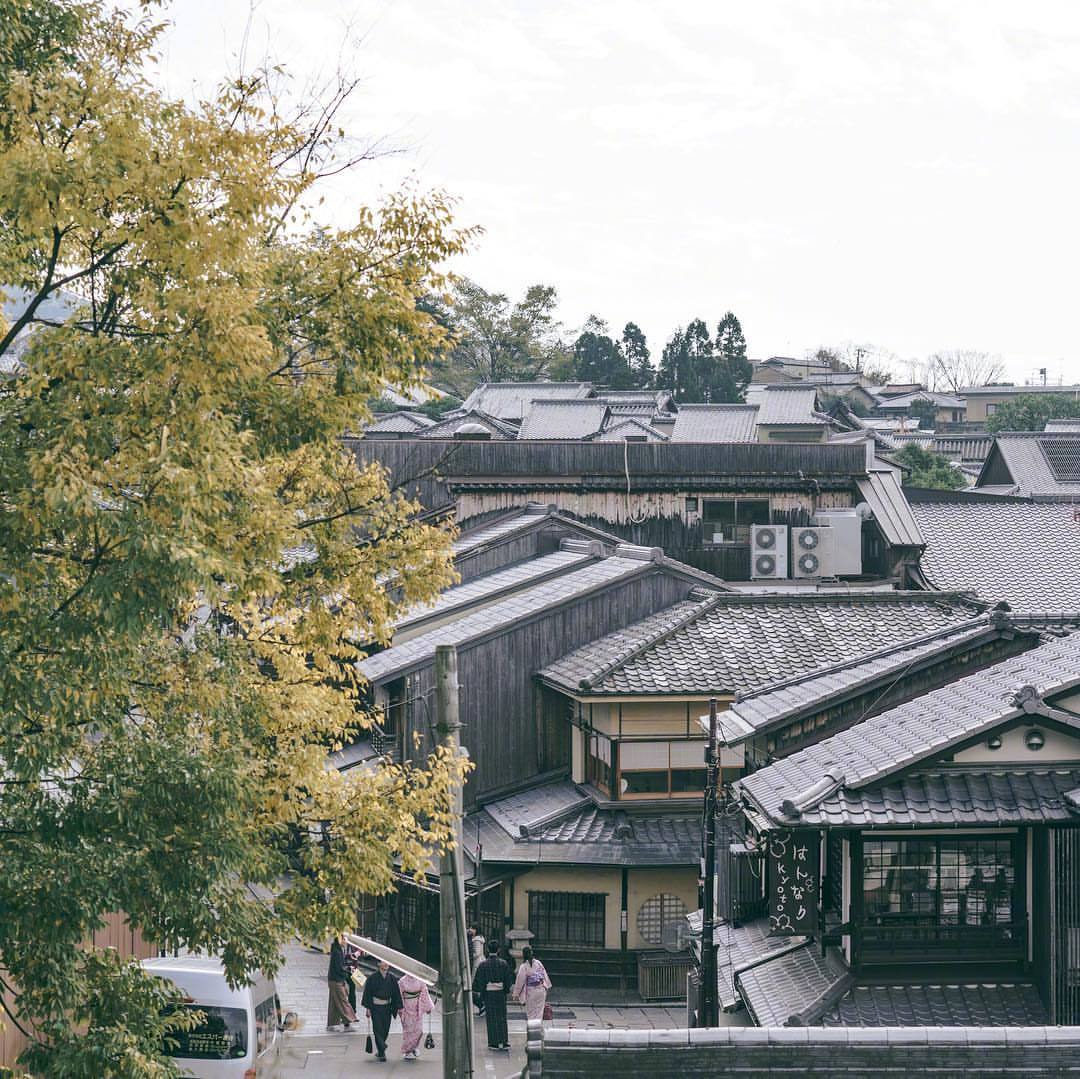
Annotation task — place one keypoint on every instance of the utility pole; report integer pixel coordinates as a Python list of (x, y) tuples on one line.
[(454, 974), (709, 1010)]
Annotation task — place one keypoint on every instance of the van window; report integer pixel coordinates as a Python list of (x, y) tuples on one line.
[(222, 1035), (266, 1021)]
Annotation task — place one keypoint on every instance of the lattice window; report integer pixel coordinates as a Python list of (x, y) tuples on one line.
[(657, 912), (1063, 456), (567, 918)]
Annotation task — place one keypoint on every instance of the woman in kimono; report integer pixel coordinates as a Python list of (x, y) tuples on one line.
[(491, 983), (415, 1004), (531, 985)]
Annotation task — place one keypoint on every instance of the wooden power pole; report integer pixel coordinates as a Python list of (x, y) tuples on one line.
[(709, 1006), (454, 973)]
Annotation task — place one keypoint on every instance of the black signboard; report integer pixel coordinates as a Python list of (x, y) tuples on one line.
[(792, 878)]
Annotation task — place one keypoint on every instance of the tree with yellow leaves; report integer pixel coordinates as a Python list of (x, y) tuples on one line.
[(189, 561)]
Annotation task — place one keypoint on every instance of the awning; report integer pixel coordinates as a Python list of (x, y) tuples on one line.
[(398, 960)]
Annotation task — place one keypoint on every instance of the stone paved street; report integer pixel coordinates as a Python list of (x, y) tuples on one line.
[(314, 1053)]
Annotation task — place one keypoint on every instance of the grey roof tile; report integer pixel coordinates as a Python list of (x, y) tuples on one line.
[(511, 400), (733, 644), (715, 423), (882, 492), (566, 828), (953, 797), (1031, 460), (778, 990), (632, 427), (420, 650), (481, 588), (448, 426), (971, 1005), (1027, 554), (896, 739), (399, 423), (782, 404), (804, 695), (569, 419)]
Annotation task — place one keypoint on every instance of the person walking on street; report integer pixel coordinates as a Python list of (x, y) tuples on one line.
[(491, 983), (532, 985), (381, 1001), (338, 1012), (477, 952), (415, 1004), (353, 955)]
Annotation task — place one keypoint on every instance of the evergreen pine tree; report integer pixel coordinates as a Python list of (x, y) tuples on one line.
[(636, 352), (732, 370)]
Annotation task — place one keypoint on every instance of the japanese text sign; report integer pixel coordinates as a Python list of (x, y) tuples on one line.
[(792, 879)]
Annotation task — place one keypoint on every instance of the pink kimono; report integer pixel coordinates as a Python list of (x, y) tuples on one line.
[(531, 988), (415, 1004)]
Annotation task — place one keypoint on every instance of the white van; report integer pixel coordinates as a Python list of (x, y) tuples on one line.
[(241, 1029)]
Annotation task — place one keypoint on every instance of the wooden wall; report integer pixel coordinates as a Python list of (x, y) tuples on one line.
[(500, 700), (116, 933)]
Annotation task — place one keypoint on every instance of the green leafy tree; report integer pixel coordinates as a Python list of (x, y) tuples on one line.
[(733, 370), (599, 359), (498, 340), (1030, 411), (928, 469), (189, 559), (636, 350), (925, 412), (687, 361)]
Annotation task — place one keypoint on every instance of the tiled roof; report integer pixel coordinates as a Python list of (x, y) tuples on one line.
[(785, 404), (733, 644), (563, 419), (420, 650), (715, 423), (399, 423), (805, 695), (618, 431), (511, 579), (739, 947), (971, 1005), (511, 400), (564, 827), (1069, 426), (1027, 554), (882, 492), (491, 531), (952, 797), (1031, 457), (998, 391), (906, 400), (961, 447), (799, 985), (448, 427), (918, 730)]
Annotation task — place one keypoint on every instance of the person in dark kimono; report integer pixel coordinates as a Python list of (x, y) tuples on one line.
[(491, 983), (381, 1001)]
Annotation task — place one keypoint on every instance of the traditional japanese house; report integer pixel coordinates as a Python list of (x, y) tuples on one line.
[(938, 839), (700, 501)]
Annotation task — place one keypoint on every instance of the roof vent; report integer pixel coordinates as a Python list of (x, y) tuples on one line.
[(832, 780), (475, 432)]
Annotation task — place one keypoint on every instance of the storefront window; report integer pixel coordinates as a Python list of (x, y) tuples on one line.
[(944, 881)]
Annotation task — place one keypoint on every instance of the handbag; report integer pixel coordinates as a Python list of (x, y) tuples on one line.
[(367, 1043), (548, 1013)]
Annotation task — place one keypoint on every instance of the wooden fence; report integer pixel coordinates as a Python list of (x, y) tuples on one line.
[(116, 933)]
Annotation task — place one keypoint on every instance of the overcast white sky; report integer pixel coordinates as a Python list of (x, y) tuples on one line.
[(897, 173)]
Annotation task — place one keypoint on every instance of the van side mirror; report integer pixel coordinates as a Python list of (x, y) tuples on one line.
[(289, 1021)]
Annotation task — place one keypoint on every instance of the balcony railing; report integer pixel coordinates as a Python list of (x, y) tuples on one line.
[(917, 940), (385, 743)]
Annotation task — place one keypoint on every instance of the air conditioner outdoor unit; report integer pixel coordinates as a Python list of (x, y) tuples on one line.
[(846, 535), (811, 551), (768, 552)]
